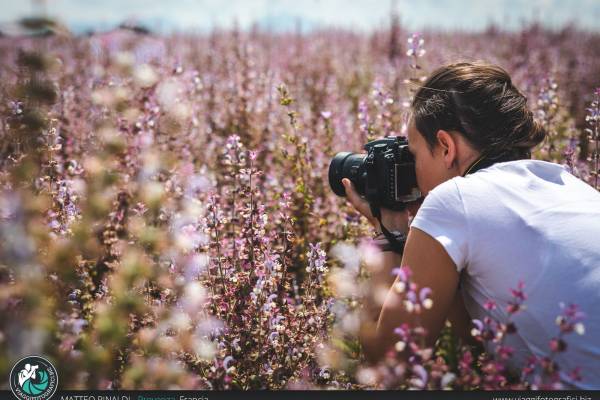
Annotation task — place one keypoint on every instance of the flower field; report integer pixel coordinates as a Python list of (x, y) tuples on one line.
[(166, 219)]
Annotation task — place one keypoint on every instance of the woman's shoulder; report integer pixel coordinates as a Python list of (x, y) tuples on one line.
[(445, 191), (445, 198), (521, 187), (527, 173), (512, 179), (528, 167), (489, 174), (507, 182), (529, 164)]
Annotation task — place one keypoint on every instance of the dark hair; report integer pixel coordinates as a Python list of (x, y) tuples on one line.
[(479, 101)]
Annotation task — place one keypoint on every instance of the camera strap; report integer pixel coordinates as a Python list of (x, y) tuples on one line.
[(485, 161), (396, 241)]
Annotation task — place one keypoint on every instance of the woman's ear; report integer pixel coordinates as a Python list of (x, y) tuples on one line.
[(448, 148)]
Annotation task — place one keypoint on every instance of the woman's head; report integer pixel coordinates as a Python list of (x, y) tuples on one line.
[(463, 111)]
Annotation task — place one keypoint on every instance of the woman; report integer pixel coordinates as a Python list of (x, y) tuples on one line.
[(491, 217)]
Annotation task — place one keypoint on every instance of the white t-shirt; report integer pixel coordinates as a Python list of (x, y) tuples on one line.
[(533, 221)]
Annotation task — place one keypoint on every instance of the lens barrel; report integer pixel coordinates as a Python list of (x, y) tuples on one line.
[(347, 165)]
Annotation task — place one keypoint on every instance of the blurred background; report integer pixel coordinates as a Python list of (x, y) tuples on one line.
[(82, 16), (166, 219)]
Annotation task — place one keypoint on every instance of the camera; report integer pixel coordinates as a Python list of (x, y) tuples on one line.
[(385, 176)]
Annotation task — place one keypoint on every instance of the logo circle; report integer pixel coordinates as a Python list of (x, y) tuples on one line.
[(33, 378)]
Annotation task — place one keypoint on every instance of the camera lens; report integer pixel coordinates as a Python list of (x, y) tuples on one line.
[(347, 165)]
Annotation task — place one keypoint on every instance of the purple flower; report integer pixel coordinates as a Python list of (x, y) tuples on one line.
[(269, 302), (273, 336), (421, 374), (575, 374), (226, 361), (490, 305), (478, 324), (363, 118), (557, 345), (316, 259), (505, 352), (424, 294), (402, 272), (518, 293), (415, 46), (402, 330)]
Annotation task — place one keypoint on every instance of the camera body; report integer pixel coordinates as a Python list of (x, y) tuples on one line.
[(385, 176)]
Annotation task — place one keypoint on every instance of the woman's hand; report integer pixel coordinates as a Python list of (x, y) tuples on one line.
[(392, 220)]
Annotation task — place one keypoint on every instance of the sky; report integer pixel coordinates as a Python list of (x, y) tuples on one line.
[(363, 15)]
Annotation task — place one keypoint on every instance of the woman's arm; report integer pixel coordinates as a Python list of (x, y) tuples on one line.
[(461, 321), (431, 267)]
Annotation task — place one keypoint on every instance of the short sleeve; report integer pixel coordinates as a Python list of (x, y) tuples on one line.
[(442, 216)]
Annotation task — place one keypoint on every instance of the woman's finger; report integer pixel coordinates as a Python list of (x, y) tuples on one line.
[(395, 220), (354, 198)]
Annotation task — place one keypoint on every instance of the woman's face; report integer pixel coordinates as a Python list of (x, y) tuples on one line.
[(431, 169)]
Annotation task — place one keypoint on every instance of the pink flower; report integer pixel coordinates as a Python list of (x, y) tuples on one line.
[(575, 374), (226, 361), (489, 305), (402, 272), (505, 352), (424, 294), (557, 345), (512, 308), (518, 292)]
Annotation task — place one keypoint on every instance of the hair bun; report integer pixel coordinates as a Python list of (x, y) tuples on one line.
[(480, 101), (532, 134), (538, 133)]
